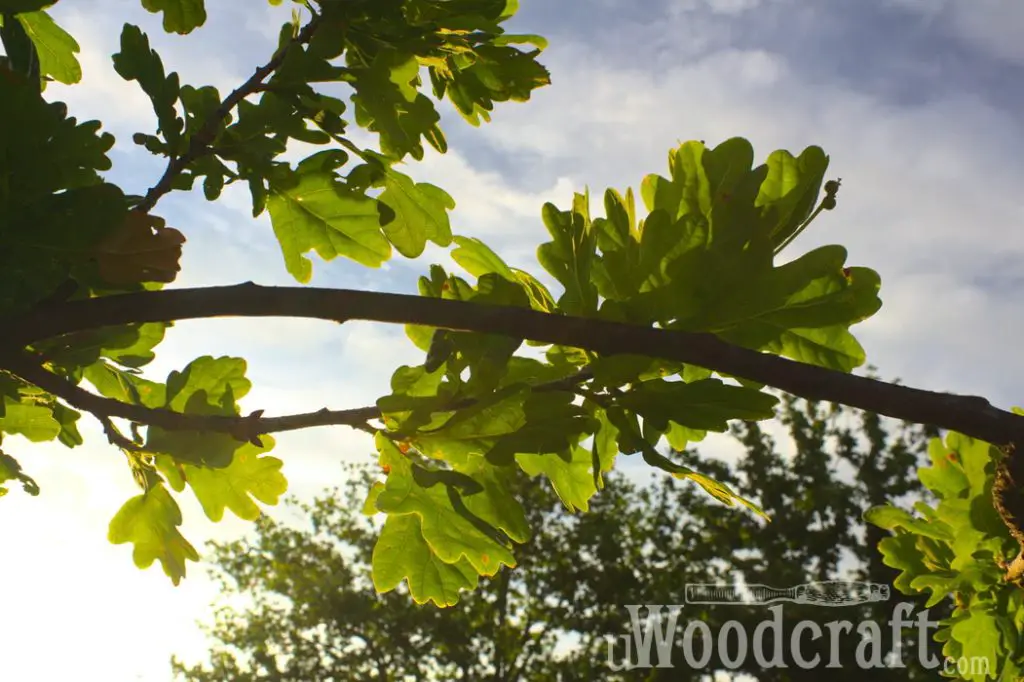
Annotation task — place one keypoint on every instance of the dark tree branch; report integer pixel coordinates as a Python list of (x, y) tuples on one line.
[(243, 428), (970, 415), (199, 144)]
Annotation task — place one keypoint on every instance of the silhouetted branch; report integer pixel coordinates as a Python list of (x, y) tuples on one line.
[(971, 415)]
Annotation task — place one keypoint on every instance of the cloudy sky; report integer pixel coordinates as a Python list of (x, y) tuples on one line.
[(917, 101)]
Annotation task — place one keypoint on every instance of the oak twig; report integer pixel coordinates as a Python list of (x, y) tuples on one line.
[(199, 144)]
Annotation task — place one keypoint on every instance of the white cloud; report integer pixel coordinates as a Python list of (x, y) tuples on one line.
[(101, 85), (993, 27), (723, 7)]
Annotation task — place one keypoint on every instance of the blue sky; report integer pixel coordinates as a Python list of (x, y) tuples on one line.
[(917, 101)]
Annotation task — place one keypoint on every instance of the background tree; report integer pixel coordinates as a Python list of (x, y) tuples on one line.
[(315, 616)]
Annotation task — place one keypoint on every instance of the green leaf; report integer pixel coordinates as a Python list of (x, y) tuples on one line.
[(605, 446), (386, 103), (901, 552), (449, 535), (618, 272), (180, 16), (248, 476), (570, 256), (34, 422), (129, 345), (55, 46), (522, 370), (831, 347), (418, 213), (10, 470), (891, 518), (553, 426), (540, 297), (401, 553), (55, 209), (493, 415), (69, 435), (115, 383), (219, 381), (537, 41), (941, 585), (51, 151), (138, 62), (945, 477), (150, 522), (488, 355), (789, 191), (496, 505), (977, 459), (721, 492), (493, 72), (981, 638), (207, 386), (688, 192), (971, 530), (573, 481), (733, 189), (321, 214), (707, 404), (802, 309), (478, 259)]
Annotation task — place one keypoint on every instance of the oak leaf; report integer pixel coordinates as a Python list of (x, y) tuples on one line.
[(143, 249)]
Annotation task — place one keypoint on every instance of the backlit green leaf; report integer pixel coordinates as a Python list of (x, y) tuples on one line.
[(56, 48), (319, 214), (249, 475), (34, 422), (401, 553), (418, 214), (180, 16), (150, 522)]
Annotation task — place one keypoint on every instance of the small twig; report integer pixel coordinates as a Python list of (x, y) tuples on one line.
[(242, 428), (199, 144), (116, 437)]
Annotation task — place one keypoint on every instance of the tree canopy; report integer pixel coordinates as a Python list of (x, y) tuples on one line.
[(655, 323)]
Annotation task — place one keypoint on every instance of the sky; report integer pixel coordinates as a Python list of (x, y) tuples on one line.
[(917, 101)]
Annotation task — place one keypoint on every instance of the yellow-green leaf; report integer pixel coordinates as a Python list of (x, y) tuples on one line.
[(150, 522), (55, 46)]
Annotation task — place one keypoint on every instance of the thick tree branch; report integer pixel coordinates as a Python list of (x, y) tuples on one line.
[(970, 415)]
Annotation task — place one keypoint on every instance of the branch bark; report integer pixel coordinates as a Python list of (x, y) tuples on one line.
[(247, 428), (244, 428), (971, 415)]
